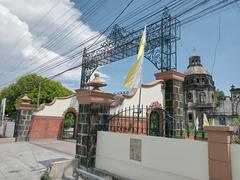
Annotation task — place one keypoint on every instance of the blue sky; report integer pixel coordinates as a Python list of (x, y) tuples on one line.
[(40, 44), (201, 35)]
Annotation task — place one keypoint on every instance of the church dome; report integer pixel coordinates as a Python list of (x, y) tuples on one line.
[(196, 70), (195, 66)]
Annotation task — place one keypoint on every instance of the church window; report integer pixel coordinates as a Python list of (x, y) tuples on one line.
[(190, 117), (189, 96), (203, 79), (207, 81), (197, 80), (202, 97)]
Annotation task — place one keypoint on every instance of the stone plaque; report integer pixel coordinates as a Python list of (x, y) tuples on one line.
[(135, 149)]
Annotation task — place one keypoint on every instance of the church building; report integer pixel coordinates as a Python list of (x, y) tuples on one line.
[(198, 90)]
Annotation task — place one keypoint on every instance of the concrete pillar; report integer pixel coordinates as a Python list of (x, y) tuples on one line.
[(93, 108), (219, 140), (24, 119)]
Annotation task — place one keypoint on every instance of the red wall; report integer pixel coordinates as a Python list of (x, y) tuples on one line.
[(126, 125), (46, 127)]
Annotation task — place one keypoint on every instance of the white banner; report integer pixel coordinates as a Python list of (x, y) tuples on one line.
[(2, 111)]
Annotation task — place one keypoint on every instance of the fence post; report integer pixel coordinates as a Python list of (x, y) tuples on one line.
[(181, 128), (125, 114), (24, 119), (142, 118), (219, 159), (91, 103), (133, 128), (188, 130), (147, 121), (129, 115)]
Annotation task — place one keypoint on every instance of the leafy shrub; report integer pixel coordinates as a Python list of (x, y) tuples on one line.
[(69, 120)]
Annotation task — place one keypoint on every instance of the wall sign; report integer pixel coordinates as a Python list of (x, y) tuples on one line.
[(222, 120), (135, 149)]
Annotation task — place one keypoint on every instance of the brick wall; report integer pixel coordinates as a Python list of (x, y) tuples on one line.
[(46, 127)]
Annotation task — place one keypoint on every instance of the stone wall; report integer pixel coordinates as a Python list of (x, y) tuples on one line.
[(23, 125), (174, 98), (89, 117)]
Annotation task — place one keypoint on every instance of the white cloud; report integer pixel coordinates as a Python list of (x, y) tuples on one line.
[(22, 35), (103, 76)]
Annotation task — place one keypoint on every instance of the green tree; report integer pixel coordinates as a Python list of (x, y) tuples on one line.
[(29, 85), (236, 124), (69, 120), (218, 95)]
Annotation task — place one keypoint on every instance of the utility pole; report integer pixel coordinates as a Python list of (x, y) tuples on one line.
[(39, 93)]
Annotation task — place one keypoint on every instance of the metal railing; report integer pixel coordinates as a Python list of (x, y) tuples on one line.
[(192, 132), (68, 134), (139, 120)]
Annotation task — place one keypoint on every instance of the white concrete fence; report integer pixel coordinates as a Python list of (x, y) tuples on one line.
[(235, 161), (161, 158), (140, 157), (9, 129)]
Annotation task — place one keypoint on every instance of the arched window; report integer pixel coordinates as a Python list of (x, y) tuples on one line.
[(69, 125), (190, 117)]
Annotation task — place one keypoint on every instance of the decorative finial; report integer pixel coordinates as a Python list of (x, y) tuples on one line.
[(25, 99), (194, 50), (96, 83)]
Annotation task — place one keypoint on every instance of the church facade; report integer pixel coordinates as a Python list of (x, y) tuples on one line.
[(199, 91)]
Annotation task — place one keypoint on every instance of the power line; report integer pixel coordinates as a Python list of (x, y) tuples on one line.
[(107, 28), (72, 68), (218, 41), (191, 18), (47, 63), (112, 22), (39, 51), (47, 27), (84, 43)]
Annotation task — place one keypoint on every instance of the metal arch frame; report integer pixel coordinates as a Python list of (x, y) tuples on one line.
[(160, 50)]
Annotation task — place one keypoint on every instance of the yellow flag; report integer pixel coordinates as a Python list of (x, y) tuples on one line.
[(133, 79), (205, 120)]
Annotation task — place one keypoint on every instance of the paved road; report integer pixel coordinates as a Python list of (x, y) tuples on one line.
[(26, 161)]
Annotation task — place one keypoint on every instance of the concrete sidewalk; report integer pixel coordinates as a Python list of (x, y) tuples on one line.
[(67, 147), (23, 160)]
